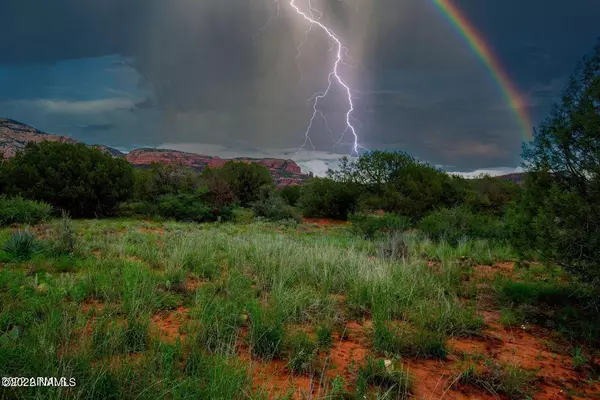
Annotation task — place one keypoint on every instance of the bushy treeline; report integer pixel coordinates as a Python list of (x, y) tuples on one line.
[(52, 177)]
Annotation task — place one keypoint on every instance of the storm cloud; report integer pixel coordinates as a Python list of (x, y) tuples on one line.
[(202, 72)]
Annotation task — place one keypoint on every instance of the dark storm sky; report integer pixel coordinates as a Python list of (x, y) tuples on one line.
[(187, 74)]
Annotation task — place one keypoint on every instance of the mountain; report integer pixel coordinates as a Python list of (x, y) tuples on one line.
[(517, 177), (284, 172), (15, 135)]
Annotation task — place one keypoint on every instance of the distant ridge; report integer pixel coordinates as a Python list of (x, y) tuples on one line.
[(517, 177), (15, 135)]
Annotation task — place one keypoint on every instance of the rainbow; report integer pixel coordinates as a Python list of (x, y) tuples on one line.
[(484, 52)]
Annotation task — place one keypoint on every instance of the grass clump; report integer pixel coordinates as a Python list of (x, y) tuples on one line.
[(510, 318), (408, 342), (22, 245), (396, 382), (121, 337), (66, 236), (325, 337), (266, 333), (580, 360), (512, 381), (395, 247), (302, 352), (21, 211)]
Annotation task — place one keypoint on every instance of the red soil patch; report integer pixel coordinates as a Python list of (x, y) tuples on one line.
[(277, 380), (158, 229), (347, 354), (435, 379), (323, 221), (91, 305), (489, 272), (168, 325), (344, 358), (193, 284), (524, 348)]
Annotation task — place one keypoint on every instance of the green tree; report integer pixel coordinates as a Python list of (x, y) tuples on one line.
[(291, 194), (327, 198), (491, 195), (396, 182), (560, 211), (245, 179), (73, 177), (162, 179)]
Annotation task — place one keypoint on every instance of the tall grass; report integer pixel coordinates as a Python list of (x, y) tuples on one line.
[(251, 284)]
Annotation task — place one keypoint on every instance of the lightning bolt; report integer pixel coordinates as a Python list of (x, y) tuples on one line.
[(271, 18), (313, 17), (334, 75)]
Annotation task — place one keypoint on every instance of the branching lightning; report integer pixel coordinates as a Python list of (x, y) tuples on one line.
[(342, 51), (313, 17)]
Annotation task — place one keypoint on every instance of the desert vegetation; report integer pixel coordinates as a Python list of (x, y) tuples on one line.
[(400, 281)]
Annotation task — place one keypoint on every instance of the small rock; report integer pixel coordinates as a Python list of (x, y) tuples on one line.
[(388, 365)]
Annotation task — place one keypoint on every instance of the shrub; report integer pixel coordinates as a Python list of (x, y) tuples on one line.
[(191, 208), (21, 211), (184, 207), (455, 224), (84, 181), (138, 209), (272, 207), (21, 246), (162, 179), (291, 194), (491, 195), (370, 225), (396, 182), (242, 215), (245, 179), (326, 198)]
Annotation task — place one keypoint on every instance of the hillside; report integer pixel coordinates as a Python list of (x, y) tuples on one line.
[(284, 172), (15, 135)]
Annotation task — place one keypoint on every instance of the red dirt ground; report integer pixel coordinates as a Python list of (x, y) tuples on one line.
[(169, 325)]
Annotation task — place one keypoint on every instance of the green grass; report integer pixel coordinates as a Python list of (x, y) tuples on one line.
[(83, 305), (509, 380), (394, 382), (302, 352)]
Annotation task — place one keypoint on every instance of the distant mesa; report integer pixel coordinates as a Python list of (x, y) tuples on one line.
[(517, 177), (15, 135)]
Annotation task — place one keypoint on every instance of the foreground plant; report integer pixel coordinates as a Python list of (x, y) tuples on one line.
[(22, 245)]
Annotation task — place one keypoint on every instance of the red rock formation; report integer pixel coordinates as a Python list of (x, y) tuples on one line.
[(284, 172), (15, 135)]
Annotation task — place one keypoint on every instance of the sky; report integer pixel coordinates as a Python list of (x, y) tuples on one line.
[(213, 77)]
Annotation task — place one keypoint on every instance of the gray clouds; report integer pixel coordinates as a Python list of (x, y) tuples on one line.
[(419, 87)]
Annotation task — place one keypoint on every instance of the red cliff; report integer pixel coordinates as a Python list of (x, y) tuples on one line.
[(284, 172), (15, 135)]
